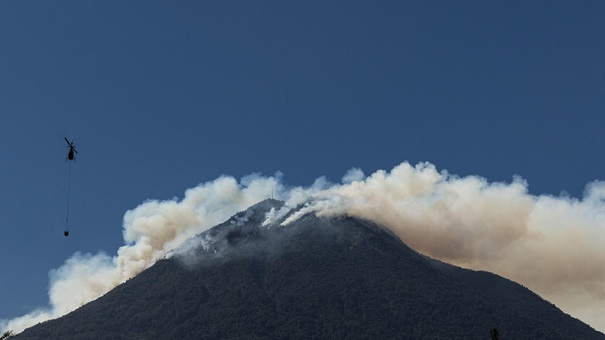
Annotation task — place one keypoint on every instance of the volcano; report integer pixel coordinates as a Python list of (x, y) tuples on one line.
[(256, 277)]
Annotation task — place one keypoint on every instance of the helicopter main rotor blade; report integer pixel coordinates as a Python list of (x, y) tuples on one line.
[(67, 141)]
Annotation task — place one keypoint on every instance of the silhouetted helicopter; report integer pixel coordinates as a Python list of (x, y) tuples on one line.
[(72, 157), (72, 149)]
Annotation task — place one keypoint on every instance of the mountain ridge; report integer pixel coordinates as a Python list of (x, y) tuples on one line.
[(337, 277)]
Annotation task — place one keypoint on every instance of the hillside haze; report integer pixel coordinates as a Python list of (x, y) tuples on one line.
[(339, 277)]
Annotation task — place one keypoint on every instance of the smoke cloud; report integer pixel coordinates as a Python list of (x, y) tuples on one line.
[(150, 231), (553, 245)]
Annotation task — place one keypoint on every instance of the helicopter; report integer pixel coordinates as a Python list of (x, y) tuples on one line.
[(72, 150), (72, 157)]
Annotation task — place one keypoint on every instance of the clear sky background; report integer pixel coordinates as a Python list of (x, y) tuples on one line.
[(160, 96)]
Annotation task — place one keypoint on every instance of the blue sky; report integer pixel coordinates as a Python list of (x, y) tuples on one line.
[(160, 96)]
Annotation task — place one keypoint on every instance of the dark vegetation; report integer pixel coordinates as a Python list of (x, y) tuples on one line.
[(334, 279)]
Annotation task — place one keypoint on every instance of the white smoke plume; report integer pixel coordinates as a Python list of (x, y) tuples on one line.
[(553, 245), (150, 231)]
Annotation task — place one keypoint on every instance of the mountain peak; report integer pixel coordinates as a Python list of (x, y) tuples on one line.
[(314, 277), (259, 231)]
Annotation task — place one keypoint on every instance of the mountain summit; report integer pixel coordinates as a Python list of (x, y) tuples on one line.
[(255, 277)]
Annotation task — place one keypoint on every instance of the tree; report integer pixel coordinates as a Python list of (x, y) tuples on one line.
[(494, 333), (6, 335)]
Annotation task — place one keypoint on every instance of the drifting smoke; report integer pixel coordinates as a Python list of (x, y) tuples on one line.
[(553, 245), (150, 231)]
